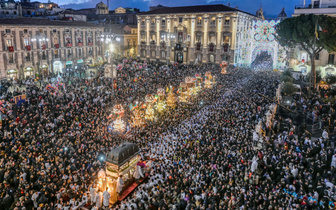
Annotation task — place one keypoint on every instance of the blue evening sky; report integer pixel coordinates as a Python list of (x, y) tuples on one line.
[(271, 7)]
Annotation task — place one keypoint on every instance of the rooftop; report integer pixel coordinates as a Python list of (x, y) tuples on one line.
[(193, 9), (44, 22), (121, 154)]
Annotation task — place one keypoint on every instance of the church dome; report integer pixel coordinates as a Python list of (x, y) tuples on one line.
[(282, 14)]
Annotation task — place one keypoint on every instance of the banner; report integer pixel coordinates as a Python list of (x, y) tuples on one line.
[(20, 99)]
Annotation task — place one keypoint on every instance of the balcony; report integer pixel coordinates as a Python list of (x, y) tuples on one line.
[(315, 9), (44, 47), (28, 47), (211, 47), (80, 44), (69, 44), (198, 46), (90, 43), (56, 46), (10, 48)]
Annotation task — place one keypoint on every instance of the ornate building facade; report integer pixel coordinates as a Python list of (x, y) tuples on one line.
[(33, 46), (193, 34)]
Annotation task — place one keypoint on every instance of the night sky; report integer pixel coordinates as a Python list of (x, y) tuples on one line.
[(271, 7)]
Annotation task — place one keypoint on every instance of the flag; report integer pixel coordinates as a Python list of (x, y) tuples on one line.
[(317, 29)]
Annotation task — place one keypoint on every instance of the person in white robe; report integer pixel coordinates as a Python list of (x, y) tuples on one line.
[(333, 161), (93, 194), (106, 197), (99, 198), (120, 184)]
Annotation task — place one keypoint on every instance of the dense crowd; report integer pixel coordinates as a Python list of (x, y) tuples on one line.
[(204, 154), (262, 62)]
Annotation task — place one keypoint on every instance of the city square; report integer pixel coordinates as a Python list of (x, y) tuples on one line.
[(185, 107)]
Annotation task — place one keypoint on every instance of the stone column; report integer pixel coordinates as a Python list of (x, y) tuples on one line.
[(157, 19), (205, 40), (170, 55), (219, 38), (147, 37), (139, 35), (192, 38)]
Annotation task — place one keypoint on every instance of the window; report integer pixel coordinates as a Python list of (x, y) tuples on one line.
[(26, 42), (54, 30), (27, 56), (143, 38), (180, 20), (213, 21), (153, 21), (199, 21), (163, 22), (69, 53), (79, 52), (10, 58), (44, 56), (163, 54), (56, 53), (199, 38), (133, 43), (180, 37), (227, 21), (9, 43), (212, 58), (14, 12), (8, 31), (25, 31), (317, 56), (128, 43), (143, 22), (153, 53), (331, 59)]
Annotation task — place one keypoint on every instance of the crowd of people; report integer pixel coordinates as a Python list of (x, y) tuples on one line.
[(203, 152), (263, 62)]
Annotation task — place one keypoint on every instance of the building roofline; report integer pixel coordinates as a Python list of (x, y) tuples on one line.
[(211, 8), (45, 22)]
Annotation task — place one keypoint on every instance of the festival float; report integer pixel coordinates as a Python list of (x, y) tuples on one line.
[(190, 86), (137, 117), (198, 82), (171, 99), (223, 65), (118, 124), (122, 171), (183, 92), (149, 114), (161, 103), (208, 80)]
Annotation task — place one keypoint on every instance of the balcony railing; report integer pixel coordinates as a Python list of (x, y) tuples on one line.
[(313, 6), (90, 43), (10, 48), (28, 47), (69, 44), (56, 46), (80, 44)]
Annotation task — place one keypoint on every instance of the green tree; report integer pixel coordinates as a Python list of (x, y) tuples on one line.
[(300, 31), (331, 79), (286, 76), (288, 88)]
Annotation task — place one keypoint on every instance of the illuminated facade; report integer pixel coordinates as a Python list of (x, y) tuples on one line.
[(36, 47), (193, 34), (261, 37)]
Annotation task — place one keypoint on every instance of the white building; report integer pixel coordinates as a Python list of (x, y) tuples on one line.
[(324, 61), (35, 46), (204, 33)]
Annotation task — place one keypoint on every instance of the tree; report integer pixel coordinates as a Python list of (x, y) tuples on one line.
[(288, 88), (286, 76), (300, 31)]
